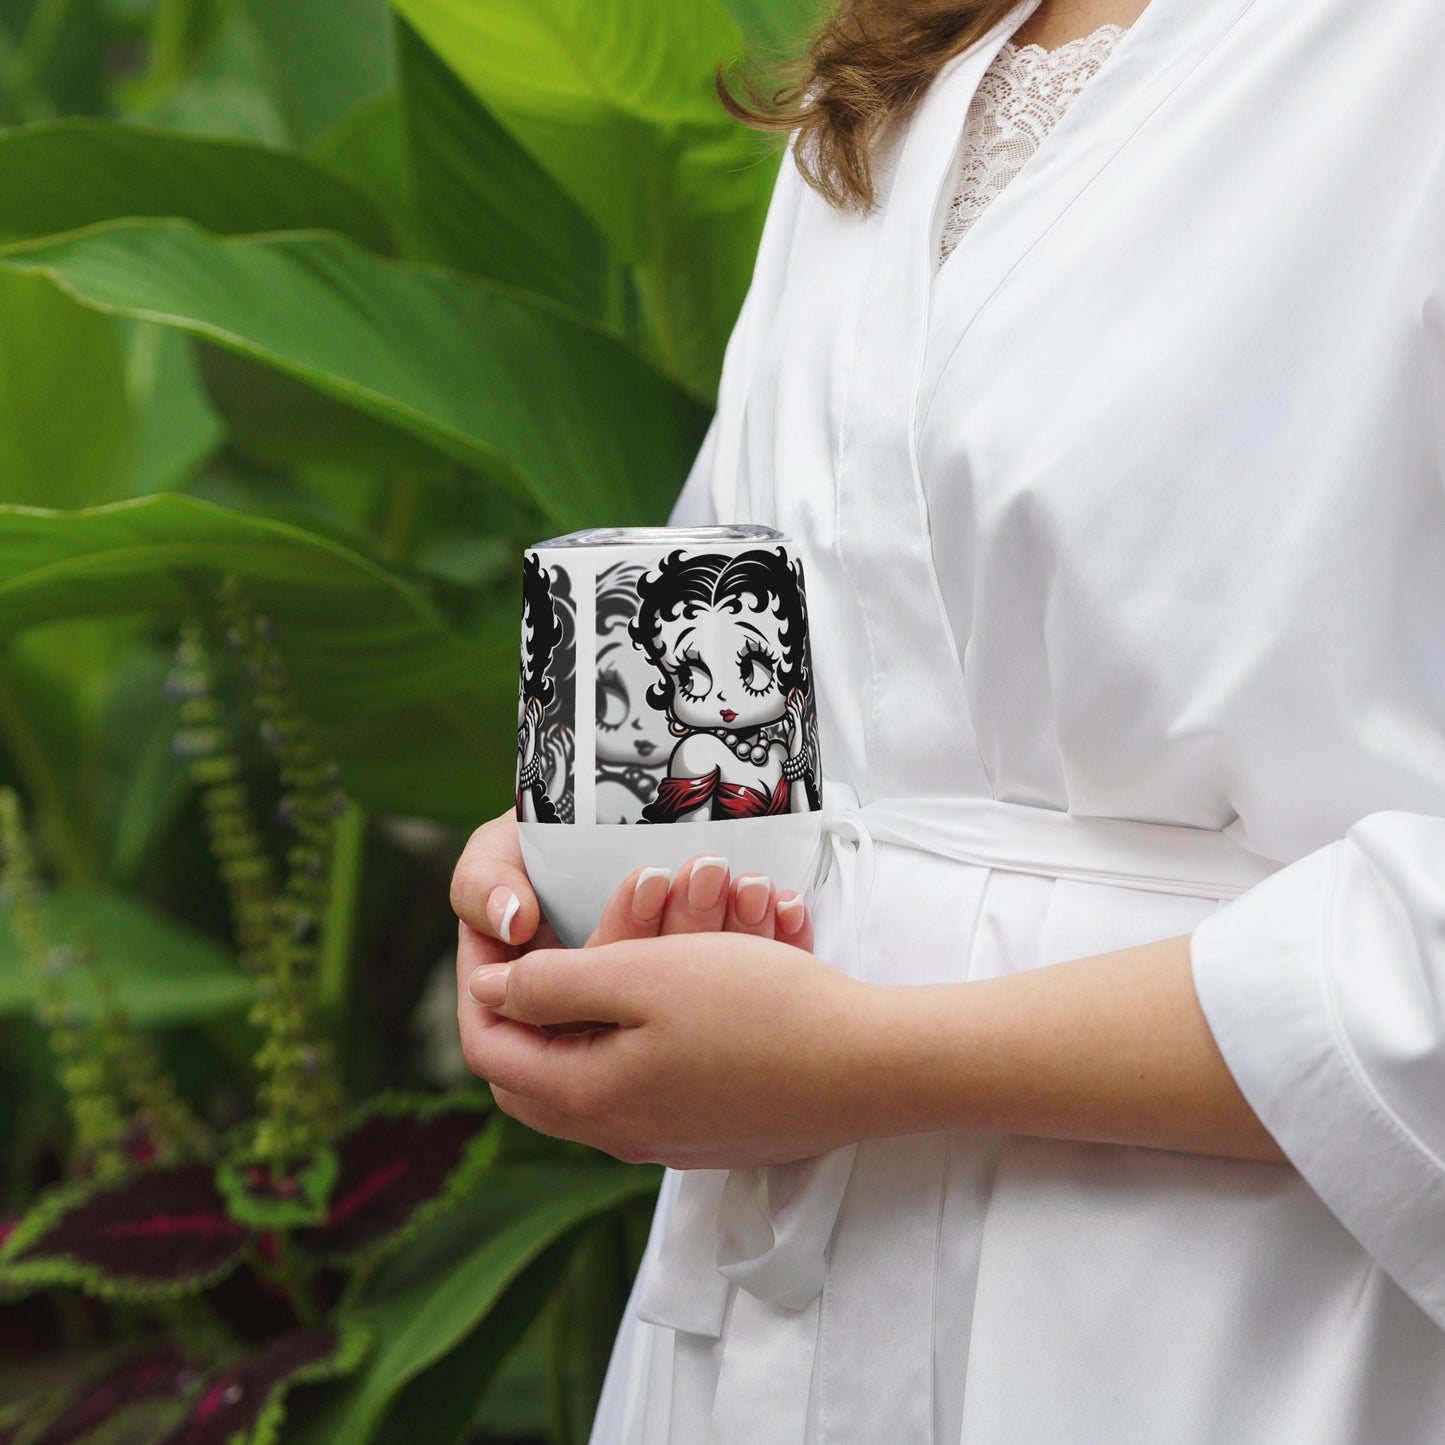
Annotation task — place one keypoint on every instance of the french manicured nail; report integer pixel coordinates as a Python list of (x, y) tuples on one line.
[(706, 883), (791, 912), (752, 899), (488, 984), (502, 908), (649, 893)]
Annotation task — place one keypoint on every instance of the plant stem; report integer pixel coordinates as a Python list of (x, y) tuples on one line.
[(400, 523), (347, 862), (288, 1276)]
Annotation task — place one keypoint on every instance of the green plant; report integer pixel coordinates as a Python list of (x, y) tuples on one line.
[(315, 312)]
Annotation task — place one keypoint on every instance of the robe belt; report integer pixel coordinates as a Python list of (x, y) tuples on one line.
[(767, 1230)]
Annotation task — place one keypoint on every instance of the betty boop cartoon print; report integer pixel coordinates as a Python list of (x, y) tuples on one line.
[(633, 742), (547, 706), (727, 639)]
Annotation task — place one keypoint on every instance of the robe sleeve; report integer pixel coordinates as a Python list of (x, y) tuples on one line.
[(1324, 987)]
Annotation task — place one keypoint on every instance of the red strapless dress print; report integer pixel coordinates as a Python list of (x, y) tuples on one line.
[(677, 797)]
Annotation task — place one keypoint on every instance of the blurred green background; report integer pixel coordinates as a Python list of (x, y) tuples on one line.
[(346, 302)]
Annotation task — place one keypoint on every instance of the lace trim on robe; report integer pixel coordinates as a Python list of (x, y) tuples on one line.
[(1019, 100)]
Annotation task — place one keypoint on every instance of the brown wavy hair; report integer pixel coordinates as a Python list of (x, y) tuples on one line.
[(865, 68)]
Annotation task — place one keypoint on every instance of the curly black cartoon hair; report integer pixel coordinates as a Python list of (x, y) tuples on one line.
[(760, 580), (547, 629)]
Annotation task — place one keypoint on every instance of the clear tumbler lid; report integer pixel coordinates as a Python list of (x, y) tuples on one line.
[(643, 536)]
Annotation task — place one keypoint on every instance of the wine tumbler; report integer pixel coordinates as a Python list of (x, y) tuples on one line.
[(666, 709)]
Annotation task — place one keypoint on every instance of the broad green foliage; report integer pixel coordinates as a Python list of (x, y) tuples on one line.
[(75, 173), (370, 658), (325, 56), (67, 433), (616, 102), (343, 301), (430, 1300), (165, 973), (492, 209), (560, 411)]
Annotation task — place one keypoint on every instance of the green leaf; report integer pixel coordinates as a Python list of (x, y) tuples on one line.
[(77, 172), (326, 55), (448, 1392), (55, 684), (374, 666), (617, 103), (493, 210), (775, 28), (426, 1301), (66, 429), (368, 147), (163, 973), (276, 419), (177, 428), (210, 75), (557, 409)]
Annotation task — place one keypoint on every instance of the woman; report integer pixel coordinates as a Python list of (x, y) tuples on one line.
[(1117, 1117)]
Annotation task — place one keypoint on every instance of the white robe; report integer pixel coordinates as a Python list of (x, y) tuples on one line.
[(1135, 510)]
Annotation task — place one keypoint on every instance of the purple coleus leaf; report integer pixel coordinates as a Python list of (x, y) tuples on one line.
[(242, 1404), (158, 1233), (402, 1159), (160, 1374)]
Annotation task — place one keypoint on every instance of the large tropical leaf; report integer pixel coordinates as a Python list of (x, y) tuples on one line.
[(421, 719), (77, 172), (367, 147), (163, 973), (66, 427), (775, 29), (325, 54), (557, 409), (426, 1301), (493, 210), (617, 102)]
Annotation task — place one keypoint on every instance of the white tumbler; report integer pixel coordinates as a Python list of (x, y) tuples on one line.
[(699, 733)]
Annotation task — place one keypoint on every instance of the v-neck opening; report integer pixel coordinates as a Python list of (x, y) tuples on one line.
[(948, 193), (1152, 59), (1059, 135), (912, 321)]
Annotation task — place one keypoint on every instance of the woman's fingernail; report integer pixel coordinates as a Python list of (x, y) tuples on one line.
[(649, 893), (752, 899), (791, 912), (488, 984), (502, 908), (706, 883)]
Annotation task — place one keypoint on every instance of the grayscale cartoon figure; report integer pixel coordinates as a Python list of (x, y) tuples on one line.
[(727, 637), (633, 743), (547, 705)]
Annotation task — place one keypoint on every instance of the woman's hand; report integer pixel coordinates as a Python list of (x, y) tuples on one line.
[(708, 1050), (500, 919)]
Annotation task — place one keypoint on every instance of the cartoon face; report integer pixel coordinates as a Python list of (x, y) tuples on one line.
[(724, 662), (629, 730)]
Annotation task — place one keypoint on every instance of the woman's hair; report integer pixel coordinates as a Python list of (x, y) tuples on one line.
[(760, 581), (865, 68)]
